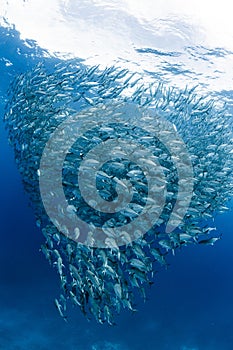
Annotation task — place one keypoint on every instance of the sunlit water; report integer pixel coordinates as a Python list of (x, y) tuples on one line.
[(190, 305)]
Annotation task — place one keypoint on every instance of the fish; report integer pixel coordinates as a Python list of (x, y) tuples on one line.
[(209, 241), (101, 281), (59, 308), (140, 265)]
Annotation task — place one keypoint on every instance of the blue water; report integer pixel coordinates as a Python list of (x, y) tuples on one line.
[(190, 305)]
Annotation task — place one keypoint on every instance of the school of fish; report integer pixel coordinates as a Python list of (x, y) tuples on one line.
[(102, 281)]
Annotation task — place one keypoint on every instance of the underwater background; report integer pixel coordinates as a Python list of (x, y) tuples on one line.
[(190, 305)]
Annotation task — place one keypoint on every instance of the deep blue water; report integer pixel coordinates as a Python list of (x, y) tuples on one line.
[(189, 307)]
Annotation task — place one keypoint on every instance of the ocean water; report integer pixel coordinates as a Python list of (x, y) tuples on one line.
[(189, 306)]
